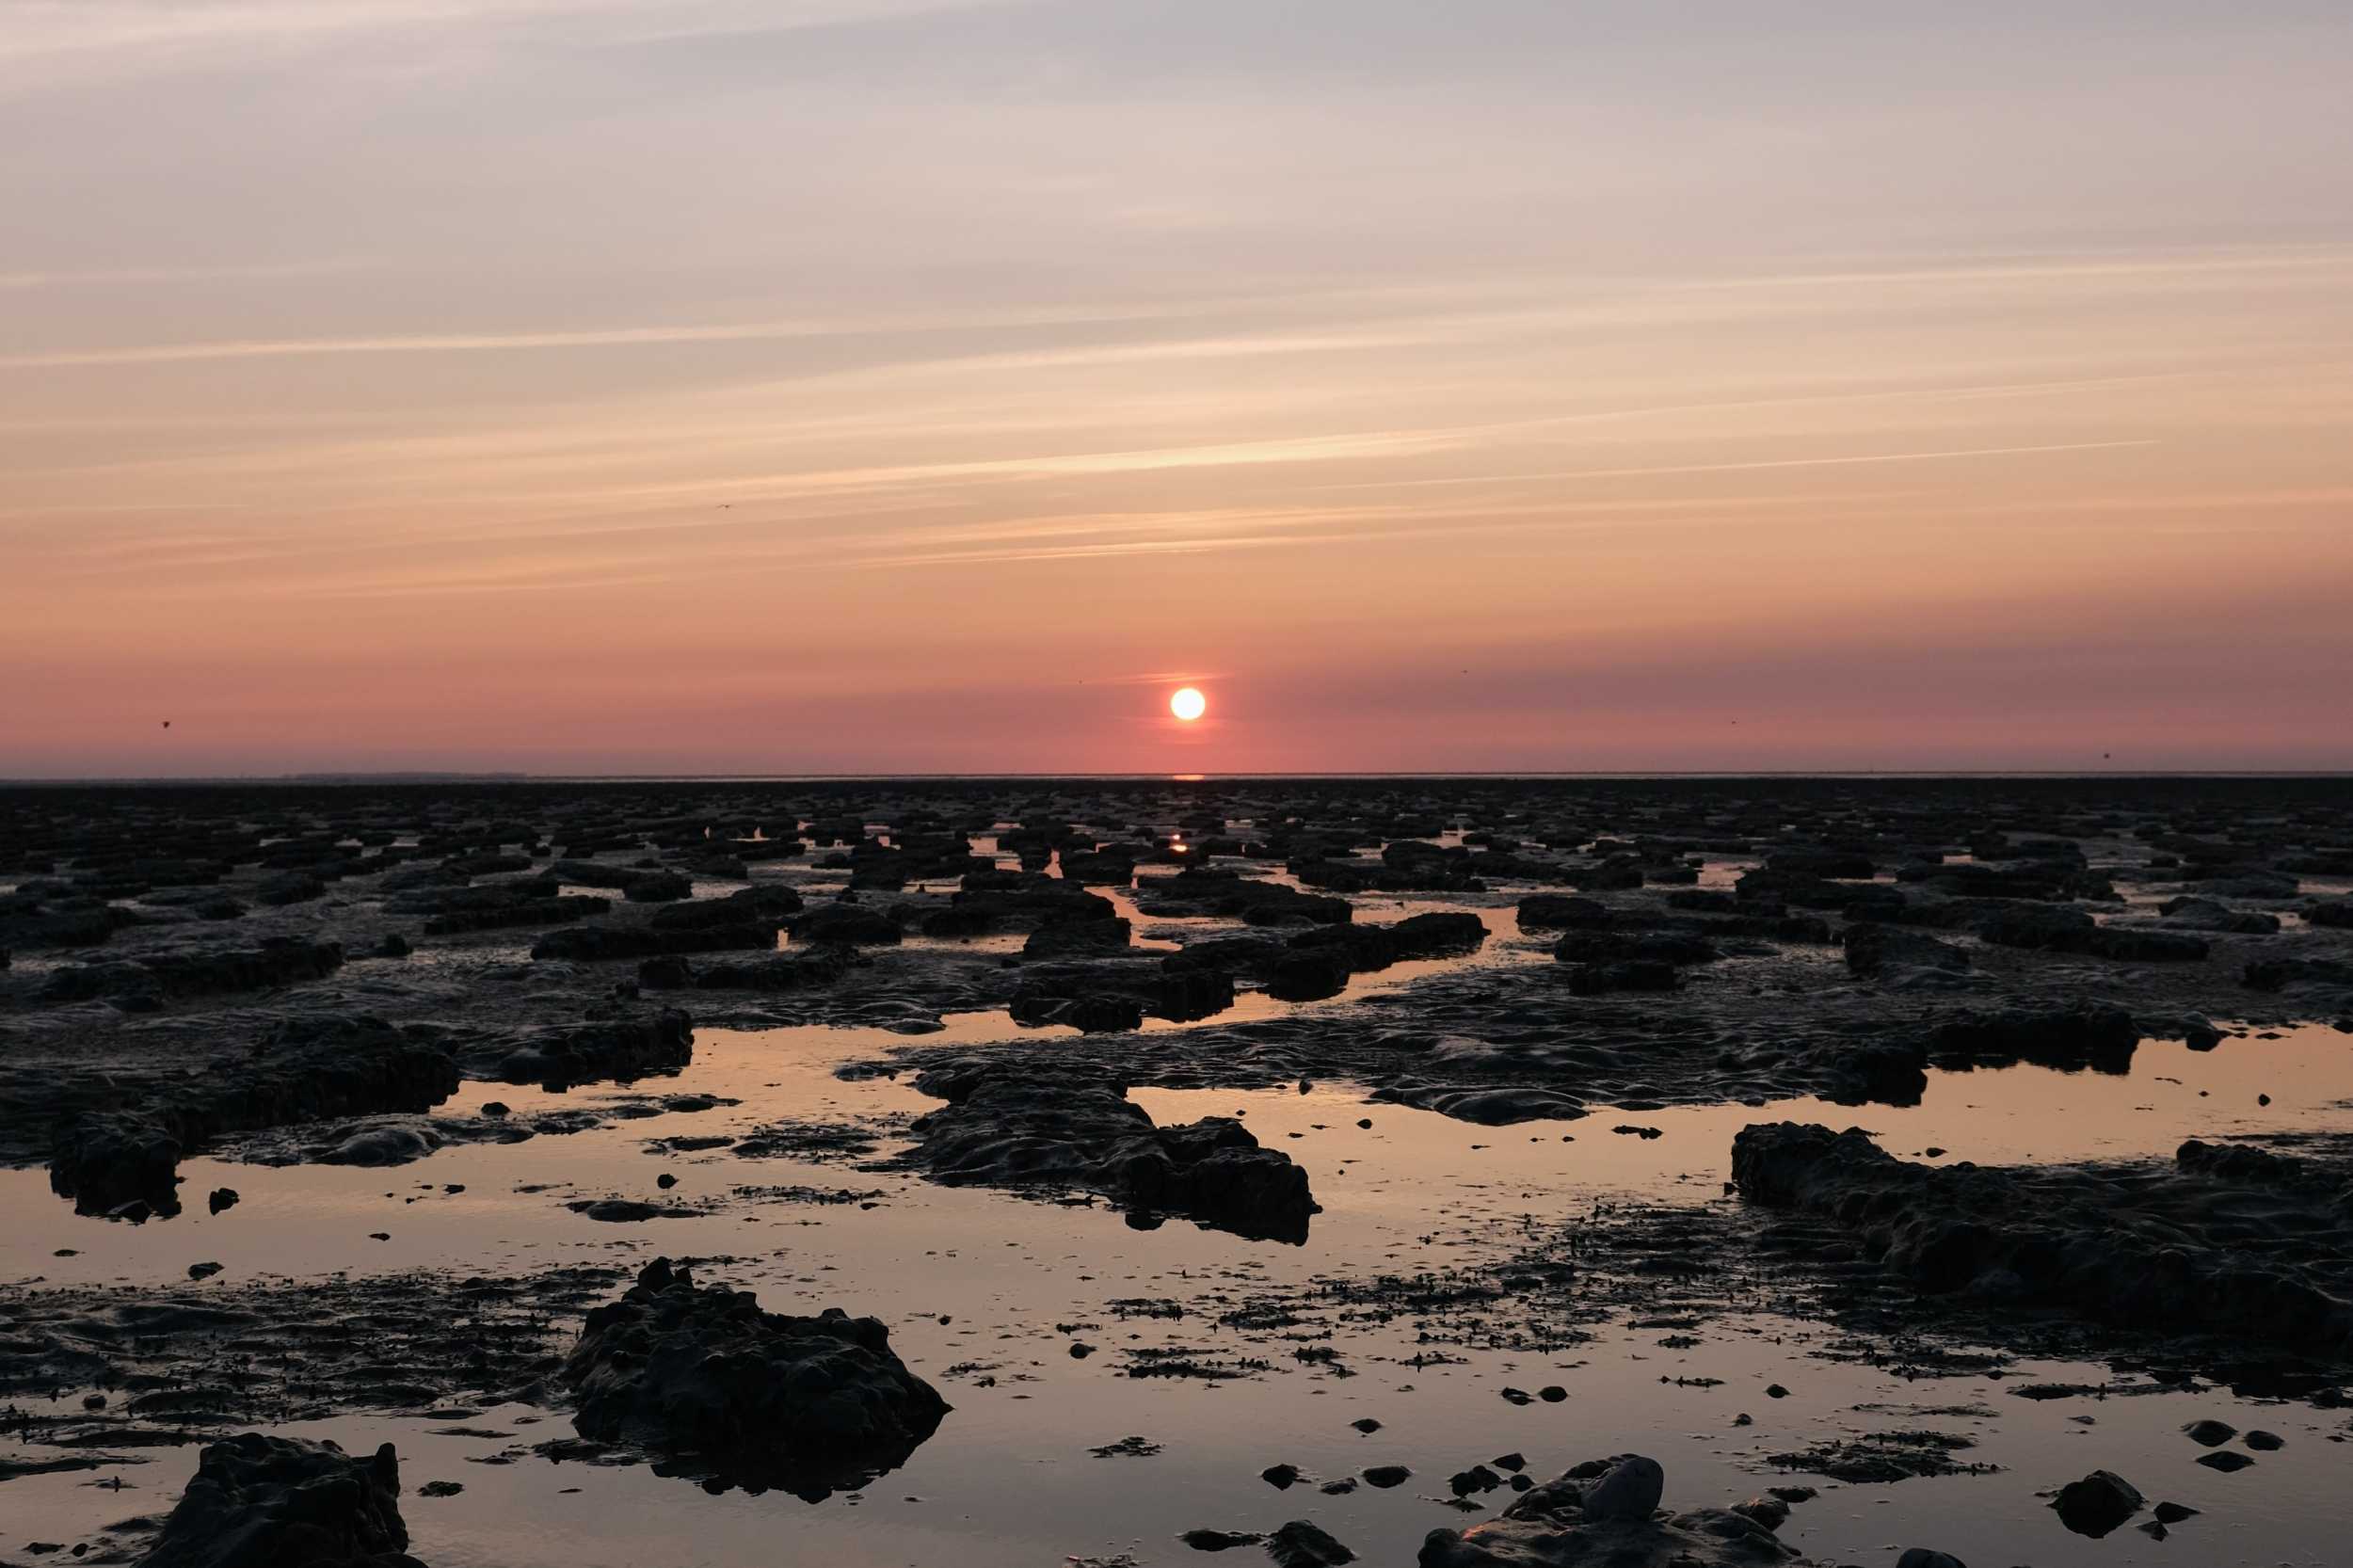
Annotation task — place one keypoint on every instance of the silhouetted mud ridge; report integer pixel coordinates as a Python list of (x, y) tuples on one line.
[(117, 1151), (2210, 1244), (1009, 1125)]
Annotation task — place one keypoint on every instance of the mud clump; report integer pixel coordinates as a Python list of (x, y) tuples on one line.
[(1017, 1126), (280, 960), (2097, 1504), (1604, 1514), (2165, 1250), (560, 1054), (702, 1373), (121, 1164), (1116, 996), (259, 1501), (119, 1161)]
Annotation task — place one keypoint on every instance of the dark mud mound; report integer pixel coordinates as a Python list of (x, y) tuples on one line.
[(625, 1047), (702, 1375), (2175, 1250), (259, 1502), (279, 961), (1606, 1515), (124, 1161), (2075, 1035), (1013, 1124), (1118, 994)]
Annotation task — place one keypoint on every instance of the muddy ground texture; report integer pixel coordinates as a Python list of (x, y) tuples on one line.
[(304, 973)]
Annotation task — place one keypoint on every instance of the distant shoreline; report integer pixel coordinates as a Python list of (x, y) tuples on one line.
[(361, 780)]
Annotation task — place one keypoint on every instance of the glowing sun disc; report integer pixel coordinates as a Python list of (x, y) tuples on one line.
[(1188, 704)]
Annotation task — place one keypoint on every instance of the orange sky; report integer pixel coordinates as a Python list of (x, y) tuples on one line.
[(845, 385)]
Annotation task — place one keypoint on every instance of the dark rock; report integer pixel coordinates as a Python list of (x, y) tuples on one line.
[(1477, 1478), (1635, 947), (1220, 1540), (625, 1047), (2097, 1504), (259, 1502), (1300, 1545), (1560, 912), (1556, 1526), (107, 1159), (1873, 950), (2148, 1253), (2204, 914), (1076, 938), (1631, 1491), (854, 925), (1591, 979), (2092, 1034), (799, 970), (759, 1397), (278, 961), (1017, 1126)]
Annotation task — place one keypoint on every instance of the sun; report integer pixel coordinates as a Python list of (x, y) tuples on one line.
[(1188, 704)]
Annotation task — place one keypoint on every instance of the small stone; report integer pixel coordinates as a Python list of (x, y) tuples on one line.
[(2097, 1504), (1631, 1491), (1300, 1545), (1477, 1478)]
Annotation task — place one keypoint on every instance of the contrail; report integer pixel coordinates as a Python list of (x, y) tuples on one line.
[(1732, 467)]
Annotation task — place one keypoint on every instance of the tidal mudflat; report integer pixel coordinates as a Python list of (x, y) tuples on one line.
[(1002, 1173)]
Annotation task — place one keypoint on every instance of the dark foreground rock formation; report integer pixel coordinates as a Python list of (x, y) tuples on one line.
[(259, 1501), (1013, 1124), (701, 1374), (2258, 1249)]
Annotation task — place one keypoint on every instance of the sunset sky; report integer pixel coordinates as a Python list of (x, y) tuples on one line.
[(593, 386)]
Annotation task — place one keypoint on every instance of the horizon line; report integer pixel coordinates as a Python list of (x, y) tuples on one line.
[(436, 776)]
